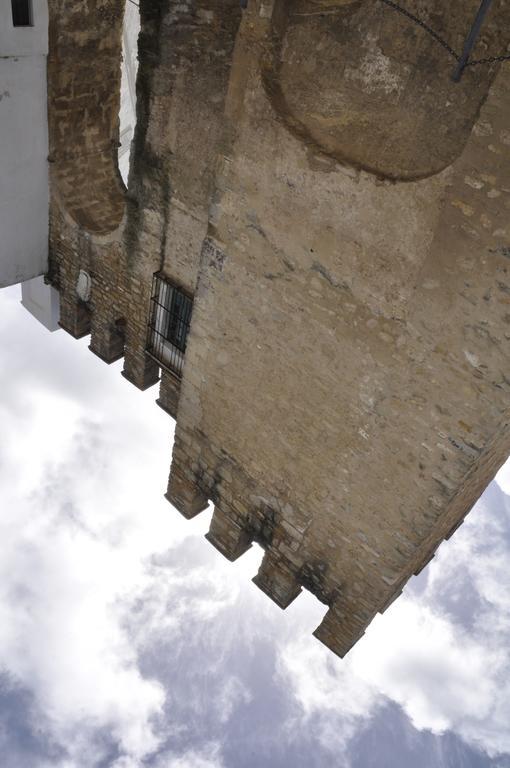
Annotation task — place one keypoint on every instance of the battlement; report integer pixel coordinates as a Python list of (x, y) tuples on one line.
[(244, 513), (328, 322)]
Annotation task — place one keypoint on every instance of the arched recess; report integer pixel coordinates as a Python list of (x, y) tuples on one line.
[(84, 78), (364, 84)]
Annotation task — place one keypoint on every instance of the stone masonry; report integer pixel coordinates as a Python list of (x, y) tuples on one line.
[(337, 208)]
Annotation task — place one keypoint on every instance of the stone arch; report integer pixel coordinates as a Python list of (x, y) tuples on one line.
[(84, 77), (365, 85)]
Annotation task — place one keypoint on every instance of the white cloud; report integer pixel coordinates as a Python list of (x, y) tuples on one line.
[(503, 477), (420, 654), (331, 695), (96, 570), (82, 515), (95, 566), (62, 581), (208, 757), (418, 659)]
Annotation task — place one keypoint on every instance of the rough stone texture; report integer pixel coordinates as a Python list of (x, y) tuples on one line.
[(169, 393), (361, 82), (122, 259), (84, 96), (345, 396)]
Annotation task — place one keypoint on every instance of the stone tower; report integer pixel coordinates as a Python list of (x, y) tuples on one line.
[(312, 258)]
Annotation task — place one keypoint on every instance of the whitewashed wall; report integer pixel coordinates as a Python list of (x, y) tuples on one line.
[(128, 88), (42, 301), (24, 194)]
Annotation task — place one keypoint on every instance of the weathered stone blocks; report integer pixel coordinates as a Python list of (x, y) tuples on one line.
[(185, 495), (345, 397), (169, 392), (228, 535), (276, 580)]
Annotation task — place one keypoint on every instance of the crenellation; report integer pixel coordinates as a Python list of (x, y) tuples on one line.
[(75, 314), (184, 494), (140, 369), (169, 392), (339, 630), (107, 339), (229, 534), (339, 304), (75, 319), (277, 580)]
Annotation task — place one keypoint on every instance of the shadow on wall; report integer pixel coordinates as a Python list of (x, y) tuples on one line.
[(84, 84)]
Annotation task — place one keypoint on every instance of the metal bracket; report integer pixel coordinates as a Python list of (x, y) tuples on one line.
[(471, 40)]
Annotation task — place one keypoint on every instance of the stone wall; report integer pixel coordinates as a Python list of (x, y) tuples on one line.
[(84, 98), (368, 86), (122, 239), (345, 396), (348, 359)]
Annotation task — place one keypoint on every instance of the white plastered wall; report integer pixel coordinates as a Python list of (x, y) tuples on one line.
[(128, 87), (42, 301), (24, 193)]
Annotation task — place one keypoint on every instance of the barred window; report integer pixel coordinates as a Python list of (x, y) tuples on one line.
[(169, 324)]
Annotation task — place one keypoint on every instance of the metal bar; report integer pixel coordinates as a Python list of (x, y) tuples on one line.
[(169, 325), (471, 39)]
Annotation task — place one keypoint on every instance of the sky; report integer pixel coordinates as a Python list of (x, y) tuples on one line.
[(127, 641)]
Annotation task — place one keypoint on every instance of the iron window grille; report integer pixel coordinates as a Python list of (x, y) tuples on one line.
[(169, 324)]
